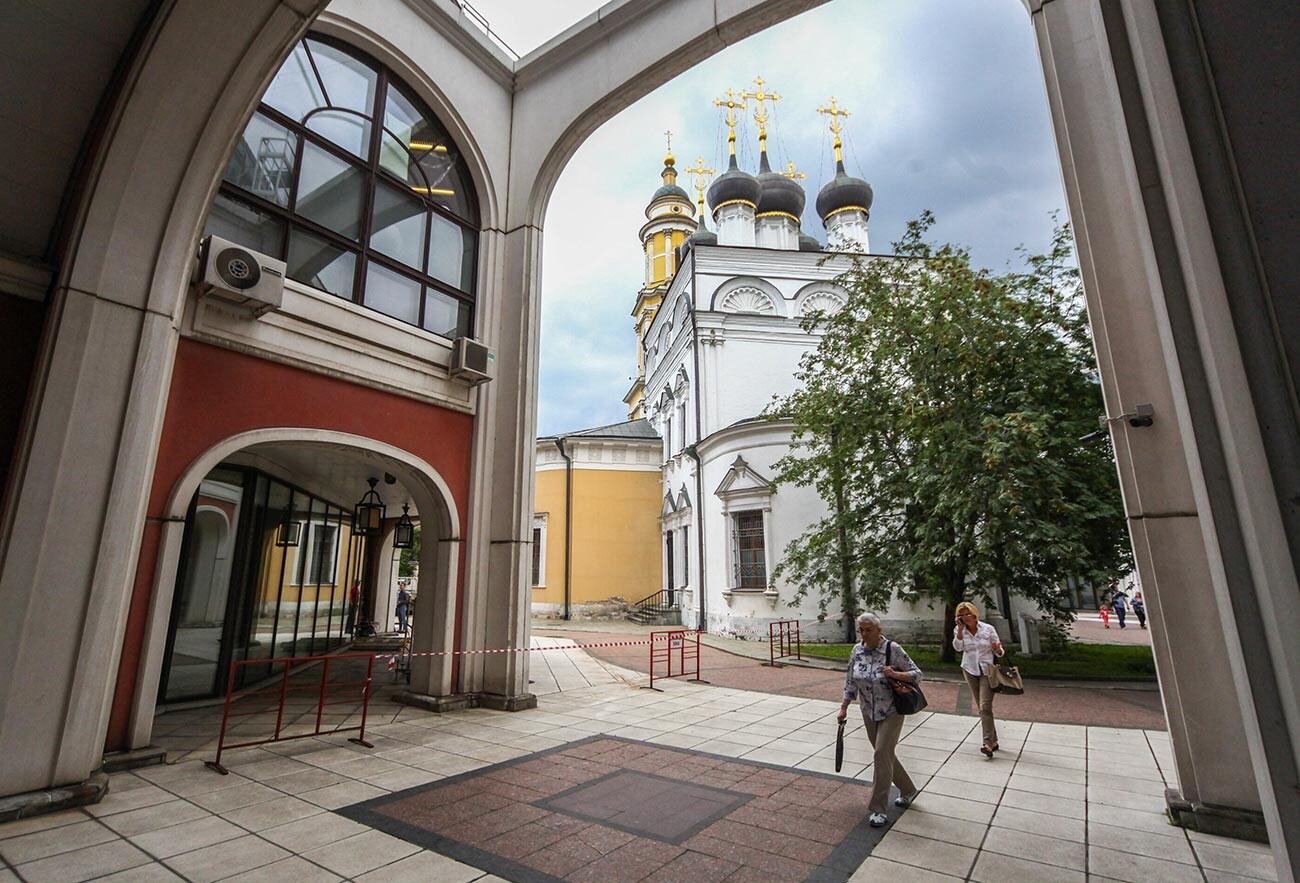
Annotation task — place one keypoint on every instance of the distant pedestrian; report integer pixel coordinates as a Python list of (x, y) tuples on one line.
[(403, 609), (1120, 602), (1104, 610), (980, 646), (1139, 608), (354, 601), (875, 666)]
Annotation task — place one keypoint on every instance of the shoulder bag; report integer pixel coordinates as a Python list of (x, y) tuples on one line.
[(908, 698), (1005, 679)]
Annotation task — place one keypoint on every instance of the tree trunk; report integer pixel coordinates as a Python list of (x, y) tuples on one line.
[(848, 604)]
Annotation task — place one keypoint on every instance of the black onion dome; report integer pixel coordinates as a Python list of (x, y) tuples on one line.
[(702, 236), (670, 190), (808, 243), (778, 193), (732, 185), (843, 191)]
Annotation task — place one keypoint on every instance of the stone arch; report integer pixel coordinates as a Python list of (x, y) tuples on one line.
[(439, 553)]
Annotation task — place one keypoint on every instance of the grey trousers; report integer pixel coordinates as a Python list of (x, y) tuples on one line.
[(981, 693), (884, 738)]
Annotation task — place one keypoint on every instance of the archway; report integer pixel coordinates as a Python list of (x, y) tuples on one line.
[(323, 465)]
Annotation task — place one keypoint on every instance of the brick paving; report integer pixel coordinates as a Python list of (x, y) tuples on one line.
[(606, 809), (1057, 703)]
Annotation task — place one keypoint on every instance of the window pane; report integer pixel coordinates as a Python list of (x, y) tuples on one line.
[(451, 253), (344, 128), (321, 265), (295, 91), (445, 315), (263, 160), (399, 224), (393, 294), (330, 191), (240, 222), (349, 82), (433, 150)]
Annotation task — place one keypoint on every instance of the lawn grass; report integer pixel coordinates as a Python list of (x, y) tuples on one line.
[(1094, 662)]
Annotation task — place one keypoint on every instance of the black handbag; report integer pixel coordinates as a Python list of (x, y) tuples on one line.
[(908, 698)]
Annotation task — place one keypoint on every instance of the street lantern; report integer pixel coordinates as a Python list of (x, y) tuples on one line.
[(404, 535), (368, 514), (290, 529)]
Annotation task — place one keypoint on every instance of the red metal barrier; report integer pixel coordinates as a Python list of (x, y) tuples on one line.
[(249, 703), (678, 649), (782, 637)]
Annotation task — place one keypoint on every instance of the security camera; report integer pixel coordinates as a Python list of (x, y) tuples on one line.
[(1143, 415)]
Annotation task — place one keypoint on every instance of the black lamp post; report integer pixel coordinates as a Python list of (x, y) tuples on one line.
[(404, 534)]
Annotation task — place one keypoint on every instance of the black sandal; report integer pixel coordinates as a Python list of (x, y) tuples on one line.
[(986, 751)]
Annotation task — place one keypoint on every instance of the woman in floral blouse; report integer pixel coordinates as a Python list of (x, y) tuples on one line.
[(875, 665), (980, 646)]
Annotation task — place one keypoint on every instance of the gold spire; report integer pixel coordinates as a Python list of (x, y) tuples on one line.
[(669, 173), (700, 175), (834, 111), (760, 113), (732, 105), (791, 173)]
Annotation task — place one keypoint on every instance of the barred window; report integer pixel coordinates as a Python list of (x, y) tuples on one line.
[(749, 558), (347, 177)]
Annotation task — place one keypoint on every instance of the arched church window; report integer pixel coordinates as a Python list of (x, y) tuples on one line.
[(346, 176)]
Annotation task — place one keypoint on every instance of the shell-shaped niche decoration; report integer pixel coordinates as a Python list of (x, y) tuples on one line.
[(822, 302), (748, 300)]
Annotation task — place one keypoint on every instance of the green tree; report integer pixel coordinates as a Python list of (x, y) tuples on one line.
[(410, 558), (940, 419)]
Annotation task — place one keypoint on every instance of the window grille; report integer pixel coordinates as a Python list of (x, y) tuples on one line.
[(749, 559)]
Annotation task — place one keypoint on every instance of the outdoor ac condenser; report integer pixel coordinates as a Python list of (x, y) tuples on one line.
[(240, 275), (471, 360)]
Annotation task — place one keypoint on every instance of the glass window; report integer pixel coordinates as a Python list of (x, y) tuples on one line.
[(306, 185), (398, 226), (349, 82), (263, 160), (330, 191), (747, 545), (451, 253), (317, 263), (240, 222), (393, 294), (445, 315), (348, 130), (295, 91)]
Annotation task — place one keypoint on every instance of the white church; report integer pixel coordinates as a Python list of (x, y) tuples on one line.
[(722, 335)]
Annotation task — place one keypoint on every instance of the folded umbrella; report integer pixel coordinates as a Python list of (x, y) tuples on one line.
[(839, 747)]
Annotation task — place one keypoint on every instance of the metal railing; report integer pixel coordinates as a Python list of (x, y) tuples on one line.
[(657, 604), (783, 641)]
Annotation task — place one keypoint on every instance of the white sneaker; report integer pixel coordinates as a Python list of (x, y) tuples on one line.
[(905, 800), (878, 820)]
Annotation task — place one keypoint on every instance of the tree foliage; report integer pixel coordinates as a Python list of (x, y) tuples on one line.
[(940, 419), (409, 558)]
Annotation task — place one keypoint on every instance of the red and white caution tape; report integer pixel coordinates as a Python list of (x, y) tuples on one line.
[(392, 660)]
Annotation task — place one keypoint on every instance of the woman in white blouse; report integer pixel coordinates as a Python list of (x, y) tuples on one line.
[(979, 646)]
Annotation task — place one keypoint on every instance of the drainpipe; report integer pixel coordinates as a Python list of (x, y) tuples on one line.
[(568, 520), (694, 454)]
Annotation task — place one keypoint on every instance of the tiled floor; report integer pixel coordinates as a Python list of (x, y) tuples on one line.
[(1058, 802)]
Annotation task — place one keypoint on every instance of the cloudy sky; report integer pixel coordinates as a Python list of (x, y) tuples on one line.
[(949, 114)]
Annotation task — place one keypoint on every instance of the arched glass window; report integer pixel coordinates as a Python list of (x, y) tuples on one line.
[(347, 177)]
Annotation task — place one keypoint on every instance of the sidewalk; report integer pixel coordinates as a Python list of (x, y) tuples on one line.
[(485, 790)]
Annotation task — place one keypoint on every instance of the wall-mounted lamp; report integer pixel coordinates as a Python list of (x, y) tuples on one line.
[(368, 514), (289, 531), (404, 534)]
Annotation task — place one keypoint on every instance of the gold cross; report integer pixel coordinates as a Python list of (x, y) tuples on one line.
[(698, 172), (732, 105), (834, 111), (760, 114), (792, 174), (668, 133)]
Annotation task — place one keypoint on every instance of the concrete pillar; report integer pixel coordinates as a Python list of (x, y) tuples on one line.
[(1203, 508)]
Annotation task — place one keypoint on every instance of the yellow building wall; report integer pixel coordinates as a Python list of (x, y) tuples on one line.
[(616, 536)]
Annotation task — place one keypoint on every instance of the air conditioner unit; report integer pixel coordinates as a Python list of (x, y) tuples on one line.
[(471, 360), (239, 275)]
